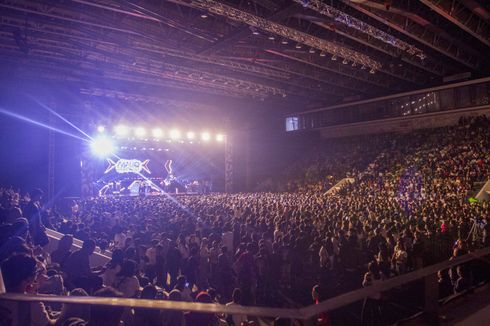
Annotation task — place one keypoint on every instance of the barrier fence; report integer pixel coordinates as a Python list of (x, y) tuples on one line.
[(305, 313)]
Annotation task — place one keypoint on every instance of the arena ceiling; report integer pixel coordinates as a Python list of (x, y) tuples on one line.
[(284, 51)]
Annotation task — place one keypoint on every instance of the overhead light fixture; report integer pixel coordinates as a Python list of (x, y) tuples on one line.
[(157, 133), (363, 67), (284, 41), (298, 46), (312, 50), (271, 37), (204, 16), (205, 136), (322, 54), (121, 130), (354, 64), (334, 57), (174, 134), (220, 138), (102, 147), (345, 62), (371, 71), (140, 132), (101, 129)]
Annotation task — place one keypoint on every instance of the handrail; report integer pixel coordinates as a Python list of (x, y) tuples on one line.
[(160, 304), (356, 295), (301, 313)]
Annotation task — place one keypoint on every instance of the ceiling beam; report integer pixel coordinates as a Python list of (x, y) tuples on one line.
[(477, 8), (244, 32), (458, 14), (427, 64), (421, 30)]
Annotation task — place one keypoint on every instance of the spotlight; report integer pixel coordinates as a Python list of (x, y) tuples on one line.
[(174, 134), (271, 37), (298, 46), (284, 41), (204, 16), (312, 50), (371, 71), (157, 133), (220, 137), (322, 54), (205, 136), (101, 129), (334, 57), (140, 132), (102, 147), (345, 62), (190, 135), (121, 130)]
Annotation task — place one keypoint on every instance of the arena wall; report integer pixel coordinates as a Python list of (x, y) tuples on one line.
[(403, 124)]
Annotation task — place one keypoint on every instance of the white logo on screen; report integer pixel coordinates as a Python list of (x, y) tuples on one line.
[(128, 166)]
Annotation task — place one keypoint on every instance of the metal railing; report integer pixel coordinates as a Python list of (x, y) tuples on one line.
[(305, 313)]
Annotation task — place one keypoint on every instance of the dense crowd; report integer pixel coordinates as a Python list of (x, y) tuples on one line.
[(407, 208)]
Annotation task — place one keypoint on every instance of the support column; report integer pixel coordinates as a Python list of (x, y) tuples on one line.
[(229, 184)]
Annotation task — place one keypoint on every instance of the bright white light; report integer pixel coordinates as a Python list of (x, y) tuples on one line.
[(175, 134), (140, 132), (101, 129), (121, 130), (220, 137), (205, 136), (102, 147), (191, 135), (157, 133)]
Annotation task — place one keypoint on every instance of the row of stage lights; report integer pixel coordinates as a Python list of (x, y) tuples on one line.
[(312, 50), (122, 131)]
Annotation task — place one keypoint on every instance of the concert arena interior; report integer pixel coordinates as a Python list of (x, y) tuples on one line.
[(244, 162)]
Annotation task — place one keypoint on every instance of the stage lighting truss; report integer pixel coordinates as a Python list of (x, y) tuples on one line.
[(228, 83), (234, 65), (157, 134), (205, 79), (352, 22), (286, 32)]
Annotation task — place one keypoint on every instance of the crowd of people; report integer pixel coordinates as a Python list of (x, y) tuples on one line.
[(408, 208)]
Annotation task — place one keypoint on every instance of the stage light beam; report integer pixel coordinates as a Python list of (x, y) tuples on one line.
[(102, 147)]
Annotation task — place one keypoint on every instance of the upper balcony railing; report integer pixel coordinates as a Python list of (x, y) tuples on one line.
[(470, 94)]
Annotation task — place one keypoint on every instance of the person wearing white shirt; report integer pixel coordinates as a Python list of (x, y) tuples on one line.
[(126, 280), (237, 319)]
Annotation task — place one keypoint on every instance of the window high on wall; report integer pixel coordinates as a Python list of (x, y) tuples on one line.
[(292, 123)]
